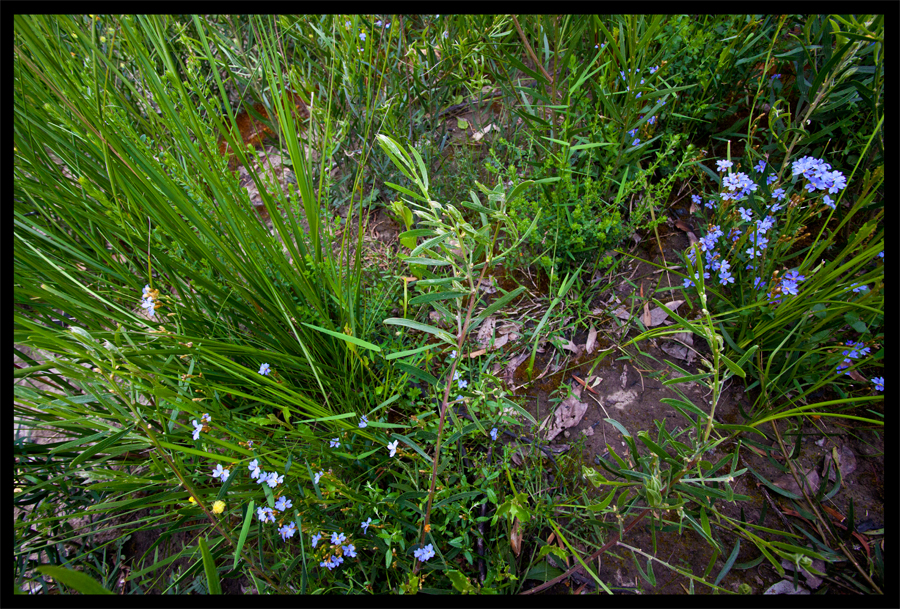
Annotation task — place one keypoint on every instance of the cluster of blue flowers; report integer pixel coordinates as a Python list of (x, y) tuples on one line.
[(148, 300), (819, 177), (425, 553), (336, 558), (203, 425), (854, 351)]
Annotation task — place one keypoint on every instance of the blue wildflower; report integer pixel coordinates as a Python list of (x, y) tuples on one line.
[(879, 383), (264, 369)]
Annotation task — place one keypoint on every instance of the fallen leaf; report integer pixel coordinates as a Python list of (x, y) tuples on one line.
[(786, 587), (483, 132), (846, 460), (591, 340), (462, 123), (570, 346), (486, 331), (515, 536), (658, 315), (646, 318), (568, 414), (788, 483)]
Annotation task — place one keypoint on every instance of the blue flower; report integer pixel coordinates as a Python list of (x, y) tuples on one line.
[(362, 36), (760, 167), (725, 277), (220, 473), (723, 164), (254, 469), (317, 476), (334, 443), (287, 531), (425, 553), (696, 199), (147, 305), (338, 539), (652, 120), (363, 422), (711, 204), (775, 77), (758, 284), (788, 287), (349, 551), (445, 35), (337, 560), (365, 525), (778, 193), (794, 276), (859, 288), (654, 69), (771, 180), (879, 383), (327, 564), (378, 23), (263, 476), (775, 207), (265, 514), (881, 254), (198, 427), (274, 479), (283, 504), (687, 283), (494, 434), (637, 140), (753, 252), (206, 418), (463, 384), (745, 214), (264, 369), (392, 446), (453, 354), (315, 539)]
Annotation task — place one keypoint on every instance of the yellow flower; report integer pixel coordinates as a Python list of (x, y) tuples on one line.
[(218, 507), (192, 500)]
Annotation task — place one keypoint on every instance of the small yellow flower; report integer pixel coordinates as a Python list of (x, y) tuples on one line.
[(218, 507), (192, 500)]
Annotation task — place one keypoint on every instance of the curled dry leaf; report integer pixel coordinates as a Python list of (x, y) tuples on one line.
[(591, 340), (515, 536)]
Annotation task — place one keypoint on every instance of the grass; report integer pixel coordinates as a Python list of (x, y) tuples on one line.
[(162, 329)]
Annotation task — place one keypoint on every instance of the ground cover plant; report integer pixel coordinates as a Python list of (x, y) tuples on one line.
[(326, 304)]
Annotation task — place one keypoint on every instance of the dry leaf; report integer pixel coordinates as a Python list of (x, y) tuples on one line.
[(515, 536), (480, 134), (570, 346), (659, 315), (486, 331), (568, 414), (591, 340), (646, 318)]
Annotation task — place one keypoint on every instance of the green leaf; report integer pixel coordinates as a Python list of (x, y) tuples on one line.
[(495, 306), (728, 563), (81, 582), (735, 369), (462, 123), (209, 566), (412, 445), (461, 582), (92, 450), (415, 372), (346, 337), (415, 325), (248, 518), (432, 296)]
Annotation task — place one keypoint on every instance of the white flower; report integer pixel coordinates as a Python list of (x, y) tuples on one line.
[(392, 446)]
